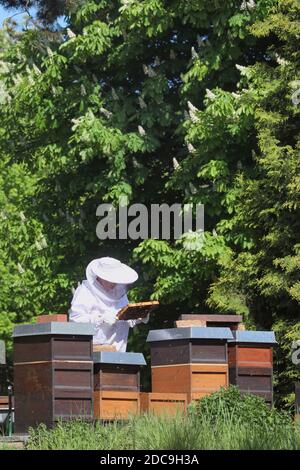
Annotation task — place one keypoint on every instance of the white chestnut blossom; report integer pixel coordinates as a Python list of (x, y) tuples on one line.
[(247, 5), (70, 33), (22, 216), (114, 94), (43, 241), (20, 268), (38, 245), (210, 95), (191, 148), (36, 69), (194, 53), (4, 67), (106, 113), (241, 68), (141, 130), (186, 115), (82, 90), (175, 163), (49, 51), (192, 107), (145, 69), (142, 103), (193, 116)]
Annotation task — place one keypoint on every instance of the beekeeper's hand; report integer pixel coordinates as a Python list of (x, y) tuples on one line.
[(145, 319), (110, 318)]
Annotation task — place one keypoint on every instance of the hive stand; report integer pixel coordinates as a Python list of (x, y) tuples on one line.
[(250, 358), (117, 384), (53, 373), (189, 360)]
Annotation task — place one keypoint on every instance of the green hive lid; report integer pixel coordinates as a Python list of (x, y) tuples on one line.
[(193, 332), (54, 328)]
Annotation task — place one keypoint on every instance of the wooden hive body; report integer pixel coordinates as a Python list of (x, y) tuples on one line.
[(163, 403), (189, 360), (116, 384), (53, 373), (250, 358)]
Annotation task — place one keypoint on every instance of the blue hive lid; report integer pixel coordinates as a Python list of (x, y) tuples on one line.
[(126, 358)]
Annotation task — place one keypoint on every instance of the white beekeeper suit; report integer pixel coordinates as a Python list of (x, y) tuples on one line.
[(94, 304)]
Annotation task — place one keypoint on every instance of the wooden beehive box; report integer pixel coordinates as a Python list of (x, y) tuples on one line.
[(117, 370), (53, 373), (234, 322), (60, 317), (250, 359), (116, 405), (163, 403), (189, 360)]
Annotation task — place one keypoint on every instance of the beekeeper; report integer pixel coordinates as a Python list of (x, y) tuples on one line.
[(100, 297)]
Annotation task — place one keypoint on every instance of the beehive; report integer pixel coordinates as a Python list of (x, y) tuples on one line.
[(53, 373), (189, 360), (250, 359), (116, 384), (163, 403), (117, 370), (115, 405)]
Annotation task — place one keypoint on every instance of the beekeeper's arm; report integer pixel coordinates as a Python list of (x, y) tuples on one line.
[(83, 309)]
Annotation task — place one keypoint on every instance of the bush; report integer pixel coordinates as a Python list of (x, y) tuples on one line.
[(229, 404)]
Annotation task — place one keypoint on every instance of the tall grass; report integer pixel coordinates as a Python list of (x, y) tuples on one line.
[(225, 420)]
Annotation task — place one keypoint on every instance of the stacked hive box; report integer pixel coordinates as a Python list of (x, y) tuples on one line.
[(189, 360), (250, 357), (234, 322), (116, 384), (53, 373)]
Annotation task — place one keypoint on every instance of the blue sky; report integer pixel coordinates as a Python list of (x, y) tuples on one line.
[(5, 13)]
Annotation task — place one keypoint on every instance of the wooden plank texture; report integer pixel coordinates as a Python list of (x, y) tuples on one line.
[(60, 317), (163, 403), (112, 405)]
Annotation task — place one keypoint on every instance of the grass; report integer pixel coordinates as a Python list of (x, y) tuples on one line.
[(226, 420), (149, 432)]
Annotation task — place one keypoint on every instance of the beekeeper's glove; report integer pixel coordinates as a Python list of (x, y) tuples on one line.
[(108, 317), (146, 319)]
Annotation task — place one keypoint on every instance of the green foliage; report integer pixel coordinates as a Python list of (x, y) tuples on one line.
[(235, 407)]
